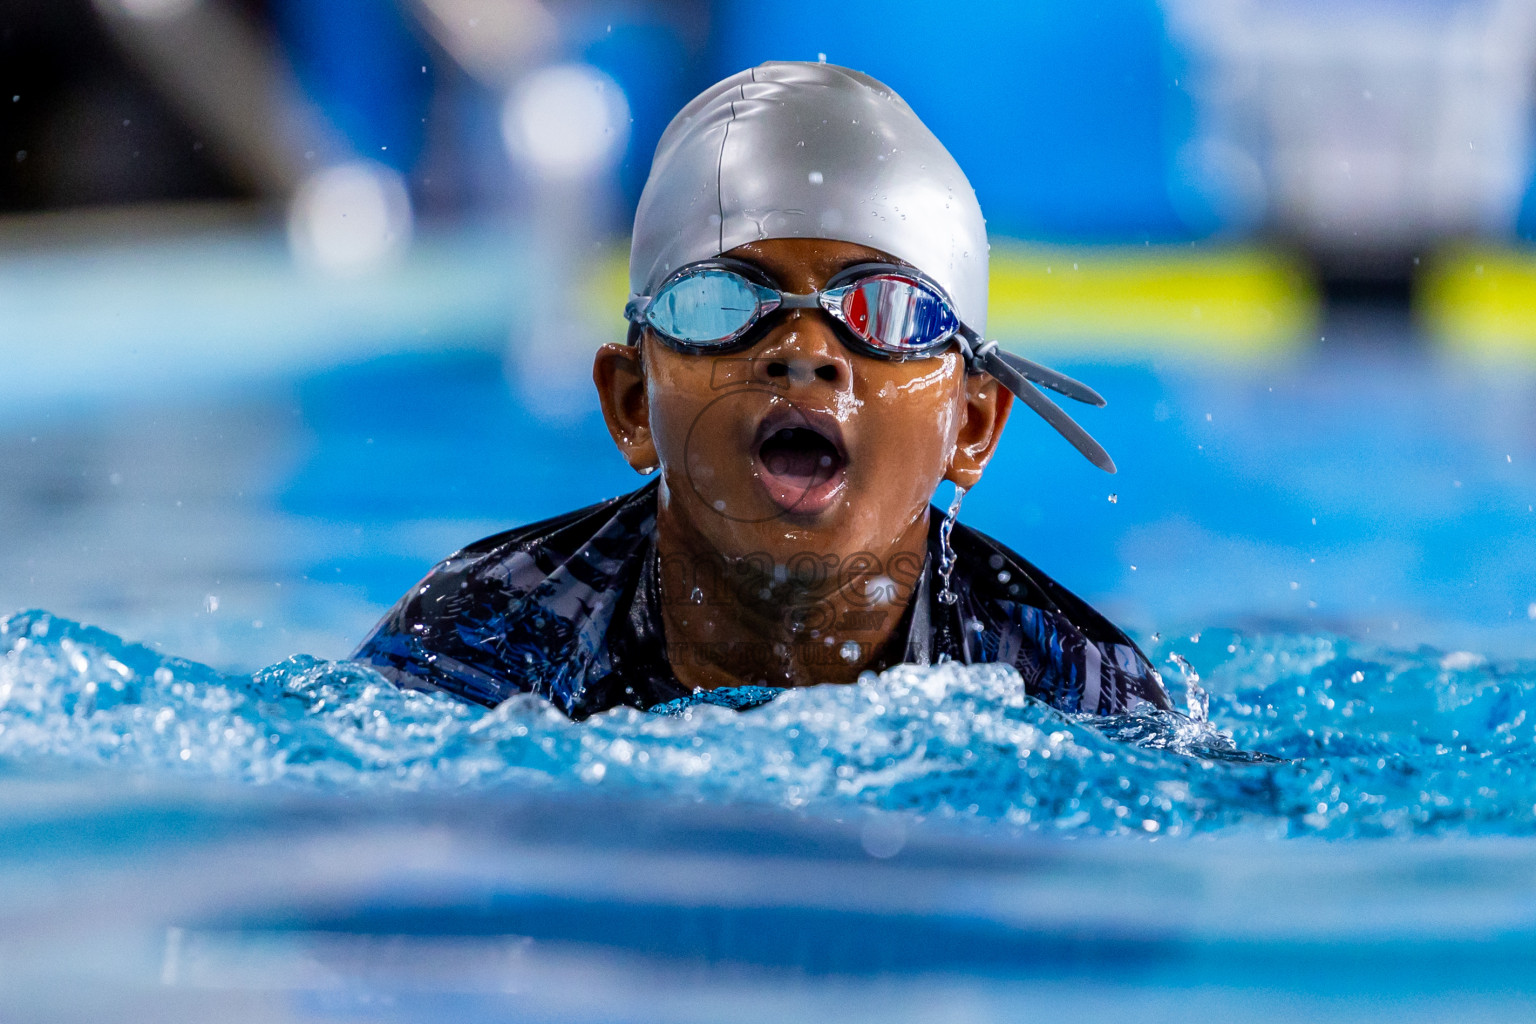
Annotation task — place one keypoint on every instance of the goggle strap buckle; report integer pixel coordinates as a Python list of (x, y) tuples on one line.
[(993, 361), (979, 353)]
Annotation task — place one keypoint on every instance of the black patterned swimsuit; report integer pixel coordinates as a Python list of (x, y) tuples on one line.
[(570, 608)]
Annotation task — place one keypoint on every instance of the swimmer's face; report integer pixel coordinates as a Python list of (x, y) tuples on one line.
[(798, 443)]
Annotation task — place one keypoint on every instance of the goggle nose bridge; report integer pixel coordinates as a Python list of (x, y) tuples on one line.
[(796, 300)]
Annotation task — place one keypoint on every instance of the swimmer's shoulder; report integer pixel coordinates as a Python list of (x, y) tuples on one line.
[(566, 531), (442, 632), (555, 539), (996, 574)]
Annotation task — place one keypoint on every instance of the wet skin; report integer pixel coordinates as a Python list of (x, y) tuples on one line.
[(796, 477)]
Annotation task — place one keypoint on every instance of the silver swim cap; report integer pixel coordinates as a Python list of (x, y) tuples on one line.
[(800, 150)]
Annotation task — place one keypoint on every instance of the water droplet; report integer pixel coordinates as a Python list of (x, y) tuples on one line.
[(883, 837), (946, 551), (850, 651), (697, 596), (1114, 499)]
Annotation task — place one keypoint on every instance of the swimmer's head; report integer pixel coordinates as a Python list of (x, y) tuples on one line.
[(793, 150), (799, 150), (794, 434)]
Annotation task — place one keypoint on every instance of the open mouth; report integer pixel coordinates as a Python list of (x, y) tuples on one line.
[(800, 464)]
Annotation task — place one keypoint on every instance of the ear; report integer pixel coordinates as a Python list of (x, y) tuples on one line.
[(987, 404), (620, 378)]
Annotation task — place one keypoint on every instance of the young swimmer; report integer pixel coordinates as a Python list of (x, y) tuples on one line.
[(805, 365)]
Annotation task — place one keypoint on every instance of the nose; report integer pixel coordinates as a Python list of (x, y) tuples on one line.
[(802, 349)]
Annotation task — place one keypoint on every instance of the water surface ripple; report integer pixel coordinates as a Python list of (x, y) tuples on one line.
[(1307, 734)]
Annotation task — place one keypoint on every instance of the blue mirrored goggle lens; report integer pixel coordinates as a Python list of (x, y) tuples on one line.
[(895, 314), (712, 305)]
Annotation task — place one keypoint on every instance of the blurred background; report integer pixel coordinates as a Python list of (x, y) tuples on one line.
[(296, 298)]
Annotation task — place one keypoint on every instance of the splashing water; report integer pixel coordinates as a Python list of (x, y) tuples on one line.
[(946, 552), (1374, 743), (1197, 702)]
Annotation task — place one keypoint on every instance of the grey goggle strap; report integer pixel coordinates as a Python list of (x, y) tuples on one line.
[(1015, 373)]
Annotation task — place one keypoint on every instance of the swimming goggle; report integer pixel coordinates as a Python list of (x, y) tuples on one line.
[(889, 311)]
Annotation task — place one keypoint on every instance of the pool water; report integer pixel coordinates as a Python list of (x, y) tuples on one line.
[(1337, 555), (1309, 735)]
